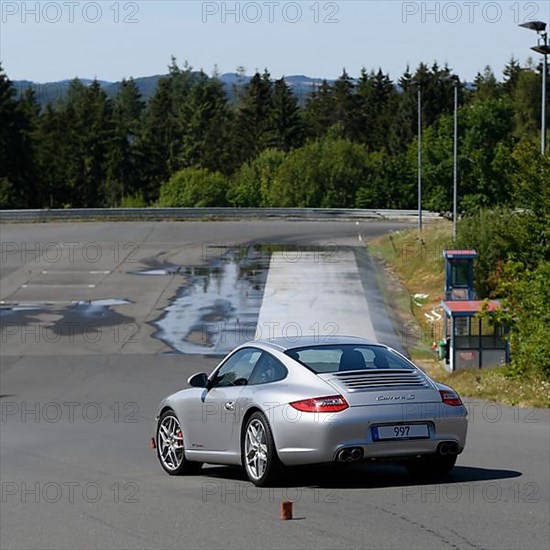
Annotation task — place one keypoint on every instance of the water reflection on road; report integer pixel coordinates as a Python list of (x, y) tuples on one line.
[(218, 308)]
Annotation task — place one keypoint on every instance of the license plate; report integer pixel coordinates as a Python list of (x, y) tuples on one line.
[(401, 431)]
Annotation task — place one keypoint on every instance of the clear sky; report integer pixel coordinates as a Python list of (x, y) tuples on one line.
[(109, 39)]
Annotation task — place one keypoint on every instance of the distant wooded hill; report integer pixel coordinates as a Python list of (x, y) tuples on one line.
[(50, 92)]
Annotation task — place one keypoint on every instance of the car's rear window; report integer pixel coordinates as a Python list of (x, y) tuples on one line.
[(348, 357)]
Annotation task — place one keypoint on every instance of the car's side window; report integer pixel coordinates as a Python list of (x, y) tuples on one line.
[(237, 369), (268, 369)]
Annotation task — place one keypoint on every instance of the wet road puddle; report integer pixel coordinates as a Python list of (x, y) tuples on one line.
[(159, 271), (63, 319), (82, 316), (217, 309)]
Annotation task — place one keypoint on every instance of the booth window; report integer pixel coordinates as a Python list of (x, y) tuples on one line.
[(475, 333), (460, 273)]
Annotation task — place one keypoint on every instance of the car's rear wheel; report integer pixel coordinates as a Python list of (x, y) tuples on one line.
[(259, 454), (431, 465), (170, 449)]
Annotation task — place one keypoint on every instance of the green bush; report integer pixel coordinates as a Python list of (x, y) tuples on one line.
[(252, 185), (8, 198), (134, 201), (514, 259), (390, 182), (496, 236), (528, 313), (194, 187), (326, 173)]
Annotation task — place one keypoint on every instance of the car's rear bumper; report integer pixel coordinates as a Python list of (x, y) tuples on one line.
[(309, 438)]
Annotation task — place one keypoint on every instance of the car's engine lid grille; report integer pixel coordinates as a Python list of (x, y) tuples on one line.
[(365, 380)]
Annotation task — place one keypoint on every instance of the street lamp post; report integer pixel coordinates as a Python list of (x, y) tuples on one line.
[(455, 163), (420, 159), (543, 48), (456, 83)]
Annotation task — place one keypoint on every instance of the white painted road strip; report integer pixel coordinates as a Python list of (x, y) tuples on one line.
[(66, 272), (314, 295), (48, 285)]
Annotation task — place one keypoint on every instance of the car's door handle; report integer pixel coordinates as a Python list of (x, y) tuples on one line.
[(229, 406)]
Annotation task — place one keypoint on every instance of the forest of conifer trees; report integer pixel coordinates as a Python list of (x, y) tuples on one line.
[(350, 143)]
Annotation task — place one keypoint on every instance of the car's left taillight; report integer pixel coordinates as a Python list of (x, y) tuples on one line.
[(331, 403), (450, 397)]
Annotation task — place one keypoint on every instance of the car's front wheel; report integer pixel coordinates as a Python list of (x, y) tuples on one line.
[(170, 447), (431, 465), (259, 454)]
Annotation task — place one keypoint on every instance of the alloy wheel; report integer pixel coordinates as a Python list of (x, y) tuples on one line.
[(170, 442), (255, 449)]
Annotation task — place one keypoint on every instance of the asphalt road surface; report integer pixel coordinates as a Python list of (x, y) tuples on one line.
[(77, 409)]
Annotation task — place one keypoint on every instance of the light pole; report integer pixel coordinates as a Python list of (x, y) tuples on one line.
[(543, 48), (418, 85), (455, 162), (456, 83)]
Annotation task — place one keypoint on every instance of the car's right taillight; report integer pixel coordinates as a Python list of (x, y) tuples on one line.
[(332, 403), (450, 397)]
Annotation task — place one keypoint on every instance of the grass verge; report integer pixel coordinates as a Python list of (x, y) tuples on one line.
[(414, 283)]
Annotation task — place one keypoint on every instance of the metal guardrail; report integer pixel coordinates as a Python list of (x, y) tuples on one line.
[(205, 213)]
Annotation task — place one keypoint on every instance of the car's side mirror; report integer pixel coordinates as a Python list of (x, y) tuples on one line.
[(199, 380)]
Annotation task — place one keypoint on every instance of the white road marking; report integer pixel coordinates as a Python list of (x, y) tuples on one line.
[(62, 272), (311, 296), (47, 285)]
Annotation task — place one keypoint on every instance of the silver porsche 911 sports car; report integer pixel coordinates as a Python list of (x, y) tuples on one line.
[(275, 403)]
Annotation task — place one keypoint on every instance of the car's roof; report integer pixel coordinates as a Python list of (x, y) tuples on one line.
[(293, 342)]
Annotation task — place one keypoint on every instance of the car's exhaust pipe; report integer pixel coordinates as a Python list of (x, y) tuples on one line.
[(356, 454), (343, 455), (453, 448), (353, 454), (448, 448)]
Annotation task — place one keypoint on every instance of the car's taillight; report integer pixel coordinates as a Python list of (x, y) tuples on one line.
[(450, 398), (332, 403)]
